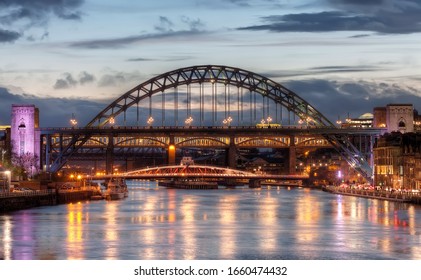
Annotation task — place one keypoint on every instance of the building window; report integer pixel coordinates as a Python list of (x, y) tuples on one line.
[(401, 124)]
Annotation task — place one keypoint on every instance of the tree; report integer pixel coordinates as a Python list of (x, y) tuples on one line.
[(26, 165)]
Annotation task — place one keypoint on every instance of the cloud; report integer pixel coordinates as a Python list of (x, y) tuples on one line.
[(54, 112), (8, 36), (165, 25), (118, 78), (68, 81), (38, 12), (85, 78), (355, 97), (168, 58), (165, 29), (141, 59), (394, 17), (323, 70), (25, 14)]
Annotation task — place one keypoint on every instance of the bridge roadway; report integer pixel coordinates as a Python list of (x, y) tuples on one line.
[(202, 172), (110, 138), (287, 130)]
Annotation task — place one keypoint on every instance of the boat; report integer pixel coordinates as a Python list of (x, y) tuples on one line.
[(189, 184), (116, 189)]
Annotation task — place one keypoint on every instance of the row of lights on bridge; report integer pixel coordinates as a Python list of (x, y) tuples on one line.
[(188, 121)]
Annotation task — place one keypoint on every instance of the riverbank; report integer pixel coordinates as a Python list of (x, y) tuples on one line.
[(396, 196), (13, 201)]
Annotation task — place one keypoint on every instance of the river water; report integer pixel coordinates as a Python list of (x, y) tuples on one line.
[(163, 224)]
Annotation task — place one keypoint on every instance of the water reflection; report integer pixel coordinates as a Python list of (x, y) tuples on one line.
[(75, 246), (111, 237), (267, 213), (188, 230), (307, 211), (227, 231), (156, 223), (7, 239)]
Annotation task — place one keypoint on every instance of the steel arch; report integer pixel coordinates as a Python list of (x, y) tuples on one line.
[(190, 170), (228, 76), (213, 74)]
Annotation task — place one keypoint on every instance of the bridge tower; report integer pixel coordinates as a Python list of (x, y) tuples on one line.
[(25, 139), (171, 151)]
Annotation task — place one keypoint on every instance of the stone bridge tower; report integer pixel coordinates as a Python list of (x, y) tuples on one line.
[(24, 136)]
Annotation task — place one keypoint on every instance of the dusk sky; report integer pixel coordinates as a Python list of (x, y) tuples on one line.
[(76, 56)]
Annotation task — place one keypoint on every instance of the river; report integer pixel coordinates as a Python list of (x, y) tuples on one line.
[(155, 223)]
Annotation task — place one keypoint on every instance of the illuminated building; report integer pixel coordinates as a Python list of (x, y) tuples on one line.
[(25, 139), (397, 161), (395, 117), (363, 121)]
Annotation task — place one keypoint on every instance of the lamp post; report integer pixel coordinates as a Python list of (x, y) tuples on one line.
[(150, 121), (73, 121), (112, 121), (3, 152), (188, 121), (269, 119), (227, 121)]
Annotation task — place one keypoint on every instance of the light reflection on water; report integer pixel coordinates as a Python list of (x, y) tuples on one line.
[(159, 223)]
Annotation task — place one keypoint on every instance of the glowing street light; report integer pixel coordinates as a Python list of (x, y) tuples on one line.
[(269, 119), (73, 120), (150, 121), (227, 121), (338, 122), (112, 121), (188, 121)]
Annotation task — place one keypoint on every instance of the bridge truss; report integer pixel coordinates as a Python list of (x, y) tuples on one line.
[(232, 96)]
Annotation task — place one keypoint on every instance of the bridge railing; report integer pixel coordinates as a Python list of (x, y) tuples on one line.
[(25, 193)]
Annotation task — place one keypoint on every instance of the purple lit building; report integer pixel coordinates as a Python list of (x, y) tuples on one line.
[(24, 136)]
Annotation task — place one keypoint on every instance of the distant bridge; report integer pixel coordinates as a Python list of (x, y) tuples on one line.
[(202, 172), (200, 96)]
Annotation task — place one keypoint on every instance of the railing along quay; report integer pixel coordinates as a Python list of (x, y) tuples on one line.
[(398, 196), (12, 201)]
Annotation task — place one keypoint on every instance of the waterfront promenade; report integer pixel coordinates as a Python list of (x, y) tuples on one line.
[(394, 195), (12, 201)]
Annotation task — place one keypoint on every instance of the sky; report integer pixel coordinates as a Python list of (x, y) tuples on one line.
[(77, 56)]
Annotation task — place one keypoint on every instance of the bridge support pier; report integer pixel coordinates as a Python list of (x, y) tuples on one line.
[(109, 157), (292, 156), (232, 154), (171, 152), (254, 183), (47, 153)]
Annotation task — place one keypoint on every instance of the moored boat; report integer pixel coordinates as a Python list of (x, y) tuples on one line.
[(189, 184), (116, 189)]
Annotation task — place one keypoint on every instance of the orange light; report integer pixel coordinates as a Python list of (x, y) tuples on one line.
[(171, 147)]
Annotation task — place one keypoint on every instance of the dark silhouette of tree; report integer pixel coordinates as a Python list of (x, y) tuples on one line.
[(26, 165)]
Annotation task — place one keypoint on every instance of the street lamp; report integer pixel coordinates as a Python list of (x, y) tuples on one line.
[(300, 122), (269, 119), (150, 121), (188, 121), (112, 121), (73, 120), (227, 121), (3, 152)]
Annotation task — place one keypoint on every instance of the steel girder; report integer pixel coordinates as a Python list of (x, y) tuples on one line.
[(213, 74), (230, 76)]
